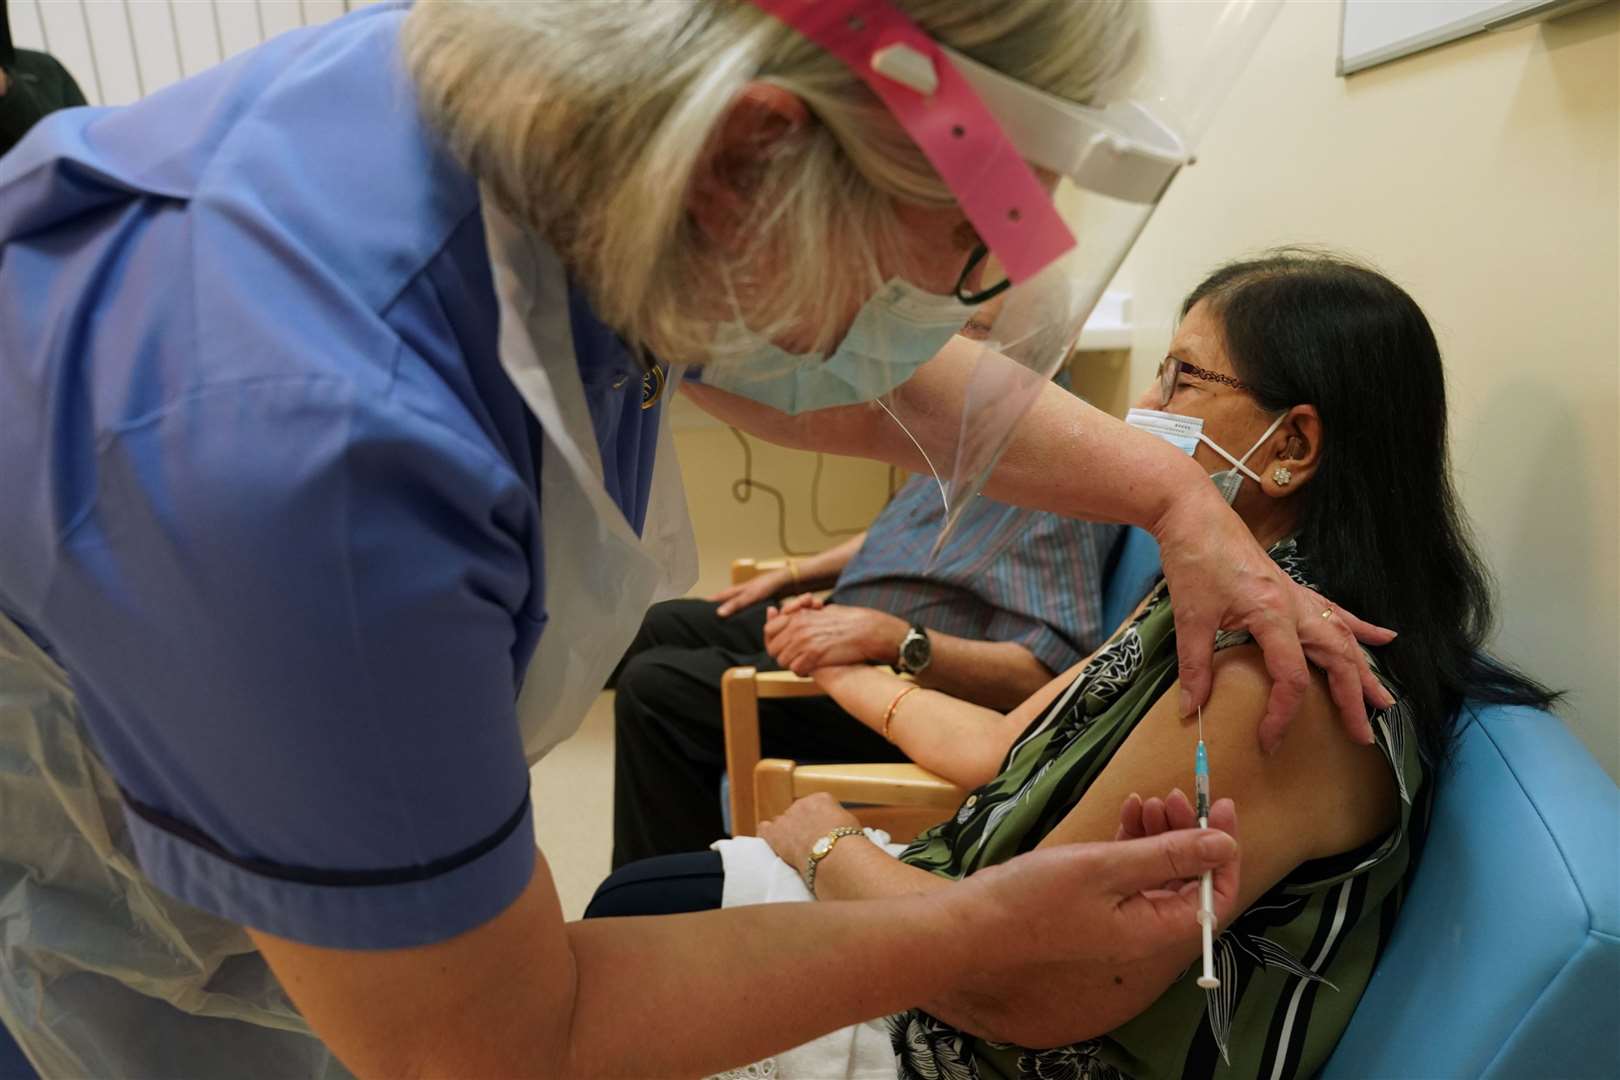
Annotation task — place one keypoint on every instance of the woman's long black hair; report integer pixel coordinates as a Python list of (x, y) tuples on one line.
[(1379, 521)]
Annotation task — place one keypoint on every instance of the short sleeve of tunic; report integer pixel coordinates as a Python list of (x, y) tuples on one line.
[(268, 495), (297, 610)]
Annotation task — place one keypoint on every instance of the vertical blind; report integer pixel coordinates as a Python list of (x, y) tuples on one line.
[(122, 50)]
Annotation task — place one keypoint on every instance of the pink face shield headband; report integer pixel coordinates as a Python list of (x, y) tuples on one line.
[(937, 106)]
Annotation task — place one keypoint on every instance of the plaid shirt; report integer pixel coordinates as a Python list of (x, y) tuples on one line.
[(1006, 574)]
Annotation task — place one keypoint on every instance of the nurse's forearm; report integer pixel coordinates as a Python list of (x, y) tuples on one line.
[(526, 995), (668, 996), (1065, 456), (1076, 460)]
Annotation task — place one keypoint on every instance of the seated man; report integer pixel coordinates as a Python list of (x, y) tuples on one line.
[(1329, 377), (1014, 597)]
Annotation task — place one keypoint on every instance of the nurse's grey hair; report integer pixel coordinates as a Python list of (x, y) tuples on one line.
[(588, 121)]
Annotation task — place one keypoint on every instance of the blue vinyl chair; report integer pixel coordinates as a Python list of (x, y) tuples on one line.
[(1505, 961), (1133, 567)]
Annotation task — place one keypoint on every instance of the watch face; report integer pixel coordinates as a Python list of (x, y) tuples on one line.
[(915, 652), (821, 847)]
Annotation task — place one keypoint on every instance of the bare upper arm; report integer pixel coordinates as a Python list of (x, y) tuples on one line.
[(461, 1007), (1319, 794)]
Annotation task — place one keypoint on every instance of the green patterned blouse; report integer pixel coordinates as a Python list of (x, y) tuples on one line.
[(1292, 967)]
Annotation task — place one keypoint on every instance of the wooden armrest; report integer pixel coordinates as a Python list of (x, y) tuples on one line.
[(747, 569), (741, 689), (903, 800), (900, 786), (891, 784), (785, 684), (739, 715)]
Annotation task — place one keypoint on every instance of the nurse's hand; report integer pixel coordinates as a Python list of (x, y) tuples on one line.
[(1221, 579), (1113, 917), (1131, 887)]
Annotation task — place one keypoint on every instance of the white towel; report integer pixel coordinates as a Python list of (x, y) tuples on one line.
[(754, 875)]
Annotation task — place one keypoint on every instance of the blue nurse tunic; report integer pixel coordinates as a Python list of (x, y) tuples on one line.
[(269, 497)]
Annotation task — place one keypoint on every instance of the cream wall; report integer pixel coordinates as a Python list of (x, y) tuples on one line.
[(852, 491), (1483, 177)]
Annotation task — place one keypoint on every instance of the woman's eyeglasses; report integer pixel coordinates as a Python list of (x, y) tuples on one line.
[(1171, 369)]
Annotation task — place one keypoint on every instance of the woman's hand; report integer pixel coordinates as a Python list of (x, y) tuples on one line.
[(805, 822), (758, 588), (806, 601), (1221, 579)]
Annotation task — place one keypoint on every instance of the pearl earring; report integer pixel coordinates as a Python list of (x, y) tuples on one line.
[(1281, 476)]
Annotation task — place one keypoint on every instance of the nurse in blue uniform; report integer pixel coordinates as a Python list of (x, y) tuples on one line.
[(326, 501)]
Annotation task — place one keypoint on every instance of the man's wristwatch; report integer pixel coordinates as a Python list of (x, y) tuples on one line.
[(916, 651), (821, 849)]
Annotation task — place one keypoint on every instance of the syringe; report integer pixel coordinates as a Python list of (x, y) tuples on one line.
[(1206, 884)]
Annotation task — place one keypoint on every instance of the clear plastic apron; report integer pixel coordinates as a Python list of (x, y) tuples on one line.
[(103, 975), (600, 576)]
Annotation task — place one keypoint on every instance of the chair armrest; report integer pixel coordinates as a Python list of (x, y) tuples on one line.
[(887, 784), (739, 716), (761, 790), (741, 689), (785, 684), (747, 569), (773, 791), (900, 799)]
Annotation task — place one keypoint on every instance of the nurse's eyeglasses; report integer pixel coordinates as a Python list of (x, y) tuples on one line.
[(1172, 368), (983, 296)]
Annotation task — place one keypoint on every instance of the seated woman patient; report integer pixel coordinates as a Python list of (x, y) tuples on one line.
[(1318, 387)]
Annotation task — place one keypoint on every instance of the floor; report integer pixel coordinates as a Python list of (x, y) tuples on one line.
[(572, 791)]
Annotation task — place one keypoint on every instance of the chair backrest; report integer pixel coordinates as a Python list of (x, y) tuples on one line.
[(1133, 567), (1505, 960)]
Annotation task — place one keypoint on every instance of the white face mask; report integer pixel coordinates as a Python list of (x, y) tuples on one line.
[(1186, 432), (896, 332)]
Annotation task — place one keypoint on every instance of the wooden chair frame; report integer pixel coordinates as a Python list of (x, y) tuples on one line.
[(902, 799)]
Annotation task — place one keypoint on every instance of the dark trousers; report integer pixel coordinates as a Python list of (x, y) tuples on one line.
[(666, 885), (670, 747)]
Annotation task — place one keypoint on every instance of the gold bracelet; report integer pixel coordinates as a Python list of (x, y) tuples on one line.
[(888, 717), (793, 569)]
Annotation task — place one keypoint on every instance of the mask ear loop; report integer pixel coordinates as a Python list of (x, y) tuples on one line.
[(1237, 463), (943, 498)]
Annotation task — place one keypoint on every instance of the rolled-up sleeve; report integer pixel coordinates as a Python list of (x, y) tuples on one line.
[(300, 611)]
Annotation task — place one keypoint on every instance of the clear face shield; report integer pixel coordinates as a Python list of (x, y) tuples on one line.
[(1056, 193)]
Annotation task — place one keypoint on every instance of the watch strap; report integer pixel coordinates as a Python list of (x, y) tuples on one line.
[(832, 839)]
